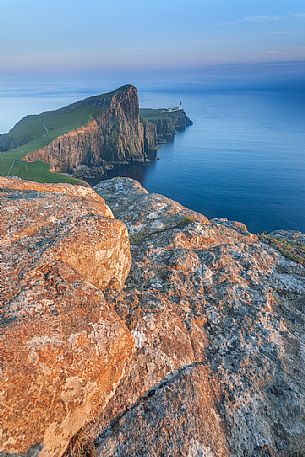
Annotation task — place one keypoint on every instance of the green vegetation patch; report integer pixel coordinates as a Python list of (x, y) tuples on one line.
[(149, 114), (35, 132), (11, 164), (293, 250)]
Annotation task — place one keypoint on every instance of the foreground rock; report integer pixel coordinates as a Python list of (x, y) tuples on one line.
[(201, 353), (218, 318), (63, 347)]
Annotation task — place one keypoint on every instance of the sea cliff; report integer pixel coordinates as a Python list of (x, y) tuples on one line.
[(114, 135), (167, 122), (88, 137)]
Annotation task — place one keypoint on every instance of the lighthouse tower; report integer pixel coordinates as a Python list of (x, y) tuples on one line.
[(180, 105)]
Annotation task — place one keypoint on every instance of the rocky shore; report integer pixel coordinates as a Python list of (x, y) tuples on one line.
[(132, 326)]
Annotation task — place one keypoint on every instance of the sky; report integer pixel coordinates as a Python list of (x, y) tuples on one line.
[(152, 40)]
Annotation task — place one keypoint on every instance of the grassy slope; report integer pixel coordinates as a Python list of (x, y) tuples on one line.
[(32, 128), (34, 132), (152, 114)]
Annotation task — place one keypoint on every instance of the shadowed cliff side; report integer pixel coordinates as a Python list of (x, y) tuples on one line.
[(167, 123)]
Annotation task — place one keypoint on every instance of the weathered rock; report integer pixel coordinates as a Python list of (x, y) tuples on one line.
[(184, 401), (289, 242), (218, 319), (215, 313), (63, 348)]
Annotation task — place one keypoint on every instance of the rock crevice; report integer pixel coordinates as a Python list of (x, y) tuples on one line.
[(198, 351), (63, 347)]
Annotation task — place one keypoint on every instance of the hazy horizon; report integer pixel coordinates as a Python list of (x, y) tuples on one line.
[(73, 49), (32, 94)]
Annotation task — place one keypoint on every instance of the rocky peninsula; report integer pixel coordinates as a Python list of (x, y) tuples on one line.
[(132, 326), (89, 136)]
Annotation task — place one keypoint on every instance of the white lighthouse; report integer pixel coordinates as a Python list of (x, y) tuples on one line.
[(175, 108)]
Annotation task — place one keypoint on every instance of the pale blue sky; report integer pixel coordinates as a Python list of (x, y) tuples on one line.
[(75, 37), (159, 33)]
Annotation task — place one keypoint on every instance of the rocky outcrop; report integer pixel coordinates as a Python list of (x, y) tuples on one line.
[(201, 353), (115, 134), (218, 319), (91, 136), (63, 347), (167, 123)]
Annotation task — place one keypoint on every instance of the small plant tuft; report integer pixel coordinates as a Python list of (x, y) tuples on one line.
[(293, 250), (81, 445)]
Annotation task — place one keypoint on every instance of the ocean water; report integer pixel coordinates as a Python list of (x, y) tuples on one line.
[(243, 159)]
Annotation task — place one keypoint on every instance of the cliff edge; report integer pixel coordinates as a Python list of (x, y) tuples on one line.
[(198, 351)]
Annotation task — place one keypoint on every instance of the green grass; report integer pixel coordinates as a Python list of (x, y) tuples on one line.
[(57, 122), (11, 164), (149, 114), (293, 250), (35, 132)]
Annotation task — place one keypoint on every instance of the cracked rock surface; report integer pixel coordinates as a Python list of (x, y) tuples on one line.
[(193, 345), (63, 348), (218, 320)]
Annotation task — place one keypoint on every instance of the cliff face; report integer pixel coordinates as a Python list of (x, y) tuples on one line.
[(116, 134), (167, 126), (150, 137), (200, 352), (166, 123)]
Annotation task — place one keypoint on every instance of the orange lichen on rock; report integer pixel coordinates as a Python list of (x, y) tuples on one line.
[(199, 351), (218, 320), (63, 348)]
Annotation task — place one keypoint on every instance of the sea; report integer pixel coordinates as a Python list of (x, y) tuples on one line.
[(243, 159)]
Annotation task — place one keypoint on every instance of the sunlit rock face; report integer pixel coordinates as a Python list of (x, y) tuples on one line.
[(63, 347), (218, 320), (191, 346)]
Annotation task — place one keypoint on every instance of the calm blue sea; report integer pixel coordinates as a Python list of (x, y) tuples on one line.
[(243, 159)]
